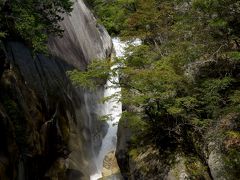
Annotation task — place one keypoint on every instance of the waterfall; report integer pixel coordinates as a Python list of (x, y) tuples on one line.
[(21, 170), (40, 85), (113, 108)]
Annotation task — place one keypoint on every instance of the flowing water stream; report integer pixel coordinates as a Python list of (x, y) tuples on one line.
[(113, 108)]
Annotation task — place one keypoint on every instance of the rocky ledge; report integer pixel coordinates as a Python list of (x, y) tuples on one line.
[(111, 169)]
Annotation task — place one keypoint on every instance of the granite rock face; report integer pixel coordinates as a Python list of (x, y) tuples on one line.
[(49, 128), (216, 158), (110, 167), (84, 39)]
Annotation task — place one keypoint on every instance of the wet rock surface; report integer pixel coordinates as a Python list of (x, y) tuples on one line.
[(110, 166), (49, 128)]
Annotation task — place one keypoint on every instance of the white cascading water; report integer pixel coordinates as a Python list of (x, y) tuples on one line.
[(21, 170), (113, 108)]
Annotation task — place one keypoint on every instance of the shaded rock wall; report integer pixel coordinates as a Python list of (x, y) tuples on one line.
[(49, 129), (213, 153)]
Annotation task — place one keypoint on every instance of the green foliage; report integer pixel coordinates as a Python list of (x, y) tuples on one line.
[(2, 34), (33, 20), (17, 119), (211, 94), (133, 153), (135, 122), (96, 74), (111, 13), (235, 55), (195, 168), (185, 75), (232, 161), (235, 98)]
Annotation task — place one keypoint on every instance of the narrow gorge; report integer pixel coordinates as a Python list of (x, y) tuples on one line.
[(49, 128), (119, 90)]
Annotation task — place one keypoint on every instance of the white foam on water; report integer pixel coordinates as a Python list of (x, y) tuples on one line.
[(112, 107)]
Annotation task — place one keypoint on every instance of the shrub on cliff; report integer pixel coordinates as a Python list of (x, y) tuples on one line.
[(33, 20)]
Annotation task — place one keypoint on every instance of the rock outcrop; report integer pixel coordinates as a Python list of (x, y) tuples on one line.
[(49, 128), (212, 155), (110, 167)]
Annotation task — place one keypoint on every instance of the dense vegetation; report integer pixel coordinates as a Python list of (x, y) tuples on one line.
[(32, 20), (184, 78)]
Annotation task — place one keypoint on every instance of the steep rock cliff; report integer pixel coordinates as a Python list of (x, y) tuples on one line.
[(49, 128), (215, 158), (210, 153)]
